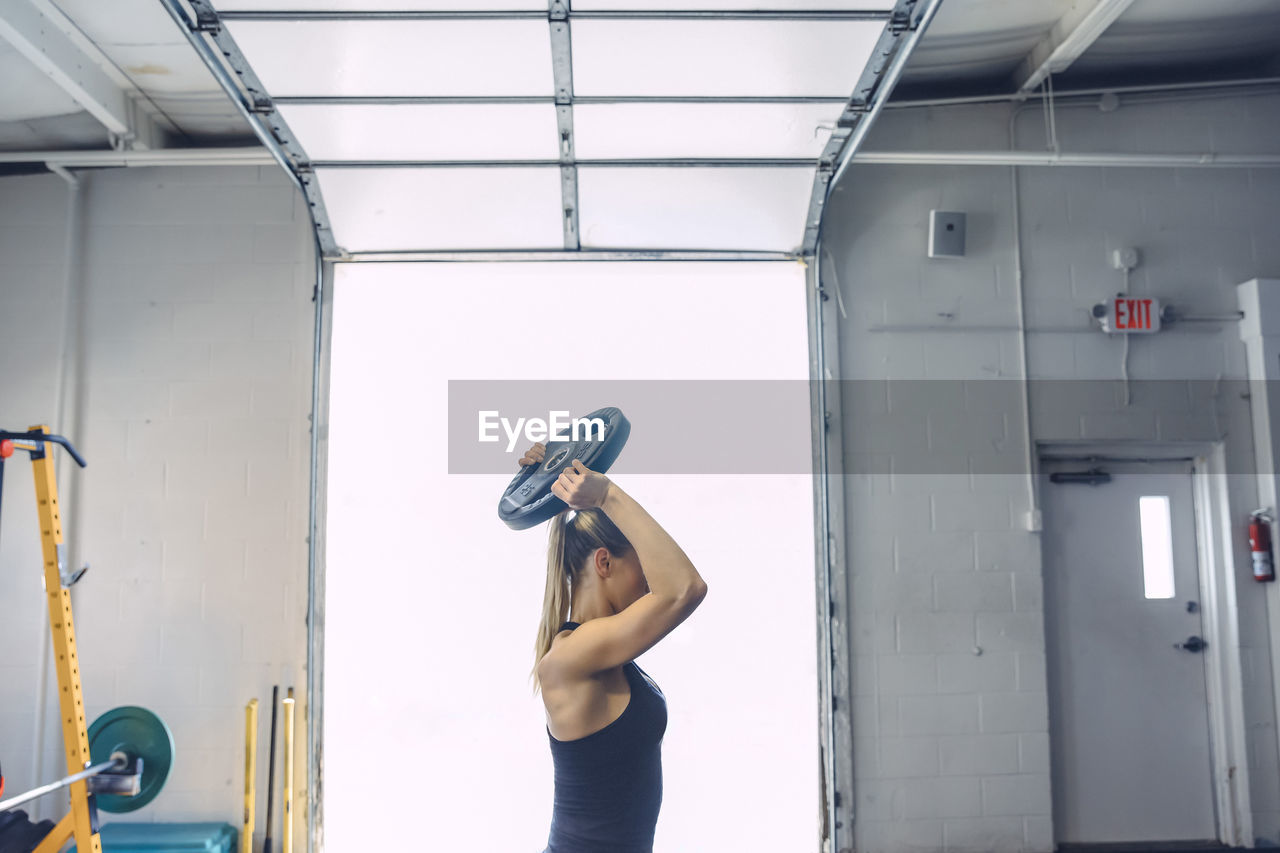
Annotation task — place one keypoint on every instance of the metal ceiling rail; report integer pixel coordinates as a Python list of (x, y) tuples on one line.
[(910, 18), (862, 114), (250, 97), (531, 14), (385, 15), (632, 163), (553, 255), (410, 100)]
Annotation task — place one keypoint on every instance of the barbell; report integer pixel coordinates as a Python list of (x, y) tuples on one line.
[(131, 752)]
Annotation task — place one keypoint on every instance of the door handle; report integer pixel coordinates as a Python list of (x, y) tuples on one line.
[(1193, 644)]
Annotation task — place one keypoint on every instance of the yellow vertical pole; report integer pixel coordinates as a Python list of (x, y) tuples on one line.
[(250, 769), (75, 734), (287, 842)]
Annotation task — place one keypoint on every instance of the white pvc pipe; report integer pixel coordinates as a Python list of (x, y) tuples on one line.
[(253, 156), (1085, 93), (1050, 158), (1032, 520), (1082, 329), (241, 156)]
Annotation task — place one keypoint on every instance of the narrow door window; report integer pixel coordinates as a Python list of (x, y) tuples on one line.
[(1157, 546)]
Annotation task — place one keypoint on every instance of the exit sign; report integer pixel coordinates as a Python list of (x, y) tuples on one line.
[(1130, 314)]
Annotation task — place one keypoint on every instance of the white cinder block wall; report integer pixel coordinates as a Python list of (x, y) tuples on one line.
[(951, 747), (191, 405)]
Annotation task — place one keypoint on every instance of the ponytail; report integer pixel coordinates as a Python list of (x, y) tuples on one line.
[(555, 601), (570, 542)]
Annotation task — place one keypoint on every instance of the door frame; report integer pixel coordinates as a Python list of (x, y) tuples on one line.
[(1224, 685)]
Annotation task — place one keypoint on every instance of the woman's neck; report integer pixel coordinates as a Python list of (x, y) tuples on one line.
[(589, 613)]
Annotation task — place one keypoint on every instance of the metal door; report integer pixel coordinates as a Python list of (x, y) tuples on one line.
[(1129, 732)]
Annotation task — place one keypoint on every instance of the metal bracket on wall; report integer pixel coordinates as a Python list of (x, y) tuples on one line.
[(207, 20), (562, 72)]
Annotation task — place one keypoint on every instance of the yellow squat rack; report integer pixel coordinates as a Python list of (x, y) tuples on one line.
[(82, 821)]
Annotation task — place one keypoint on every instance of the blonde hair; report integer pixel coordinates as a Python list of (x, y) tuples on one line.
[(570, 542)]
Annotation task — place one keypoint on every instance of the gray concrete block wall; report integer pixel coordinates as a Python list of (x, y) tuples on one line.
[(192, 409), (950, 702), (196, 390)]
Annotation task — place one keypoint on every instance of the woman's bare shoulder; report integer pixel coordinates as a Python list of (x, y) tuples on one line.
[(550, 664)]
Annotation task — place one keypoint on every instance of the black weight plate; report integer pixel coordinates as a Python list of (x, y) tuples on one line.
[(528, 500), (139, 733)]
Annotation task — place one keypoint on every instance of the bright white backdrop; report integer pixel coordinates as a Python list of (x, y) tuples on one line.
[(433, 739)]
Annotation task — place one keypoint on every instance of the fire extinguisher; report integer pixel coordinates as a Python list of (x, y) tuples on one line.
[(1264, 567)]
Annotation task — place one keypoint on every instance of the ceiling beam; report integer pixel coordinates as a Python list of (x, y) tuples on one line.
[(50, 41), (1071, 36)]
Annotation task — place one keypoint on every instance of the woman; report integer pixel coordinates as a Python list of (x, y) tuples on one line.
[(628, 585)]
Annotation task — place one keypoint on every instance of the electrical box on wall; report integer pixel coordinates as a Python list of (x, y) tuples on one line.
[(946, 234)]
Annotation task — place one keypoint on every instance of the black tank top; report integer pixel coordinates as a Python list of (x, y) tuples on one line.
[(609, 783)]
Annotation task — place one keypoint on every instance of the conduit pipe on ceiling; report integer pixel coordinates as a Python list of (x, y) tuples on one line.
[(1083, 329), (1050, 158), (239, 156), (1059, 97)]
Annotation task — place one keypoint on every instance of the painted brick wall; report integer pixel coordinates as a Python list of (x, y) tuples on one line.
[(951, 745), (184, 347)]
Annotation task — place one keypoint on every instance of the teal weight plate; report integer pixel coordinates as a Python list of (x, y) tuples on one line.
[(136, 732)]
